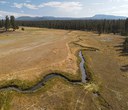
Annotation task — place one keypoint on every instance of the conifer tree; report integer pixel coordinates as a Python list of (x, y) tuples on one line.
[(0, 23), (7, 23), (99, 29), (12, 22), (126, 26)]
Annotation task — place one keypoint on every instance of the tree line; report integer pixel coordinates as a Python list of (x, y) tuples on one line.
[(100, 26), (8, 23), (125, 45)]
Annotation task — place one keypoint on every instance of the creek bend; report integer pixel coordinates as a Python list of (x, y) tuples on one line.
[(45, 79)]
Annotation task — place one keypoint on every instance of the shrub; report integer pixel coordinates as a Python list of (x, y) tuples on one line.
[(22, 29), (124, 34)]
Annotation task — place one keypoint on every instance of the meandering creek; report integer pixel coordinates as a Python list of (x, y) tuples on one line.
[(45, 79), (82, 68)]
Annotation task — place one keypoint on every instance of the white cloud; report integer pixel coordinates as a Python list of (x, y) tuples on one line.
[(100, 3), (30, 6), (69, 6), (3, 2), (66, 6), (124, 6), (114, 10), (20, 5), (4, 13), (119, 0)]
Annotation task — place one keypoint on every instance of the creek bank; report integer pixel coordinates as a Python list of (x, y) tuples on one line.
[(48, 77)]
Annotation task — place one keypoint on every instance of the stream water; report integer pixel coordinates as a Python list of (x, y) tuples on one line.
[(45, 79), (82, 67)]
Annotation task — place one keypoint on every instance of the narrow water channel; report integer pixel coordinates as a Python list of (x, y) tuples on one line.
[(45, 79), (82, 68)]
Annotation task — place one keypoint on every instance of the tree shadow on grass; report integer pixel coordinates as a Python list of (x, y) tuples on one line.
[(124, 68), (123, 51), (2, 30)]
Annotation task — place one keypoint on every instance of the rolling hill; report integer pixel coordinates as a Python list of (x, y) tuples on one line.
[(98, 17)]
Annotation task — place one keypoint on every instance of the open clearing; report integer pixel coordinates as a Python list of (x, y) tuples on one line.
[(33, 53), (28, 54)]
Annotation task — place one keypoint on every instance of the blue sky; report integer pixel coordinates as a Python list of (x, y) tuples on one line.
[(63, 8)]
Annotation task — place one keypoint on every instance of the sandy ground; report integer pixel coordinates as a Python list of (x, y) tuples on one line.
[(29, 54)]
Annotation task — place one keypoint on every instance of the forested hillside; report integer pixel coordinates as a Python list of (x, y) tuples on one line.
[(101, 26)]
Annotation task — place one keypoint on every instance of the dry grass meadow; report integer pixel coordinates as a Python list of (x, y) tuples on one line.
[(33, 53)]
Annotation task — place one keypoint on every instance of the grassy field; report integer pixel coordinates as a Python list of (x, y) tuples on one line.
[(26, 56)]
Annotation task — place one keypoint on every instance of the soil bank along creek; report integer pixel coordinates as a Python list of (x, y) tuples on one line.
[(50, 76)]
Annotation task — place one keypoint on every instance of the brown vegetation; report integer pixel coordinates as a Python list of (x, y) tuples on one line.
[(29, 54)]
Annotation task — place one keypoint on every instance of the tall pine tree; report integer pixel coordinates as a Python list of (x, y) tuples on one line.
[(12, 22), (1, 23), (126, 26), (7, 23)]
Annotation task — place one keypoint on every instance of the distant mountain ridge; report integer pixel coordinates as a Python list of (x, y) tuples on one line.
[(102, 16), (43, 18), (97, 17)]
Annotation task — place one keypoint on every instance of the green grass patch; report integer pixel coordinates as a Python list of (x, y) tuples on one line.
[(5, 99)]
